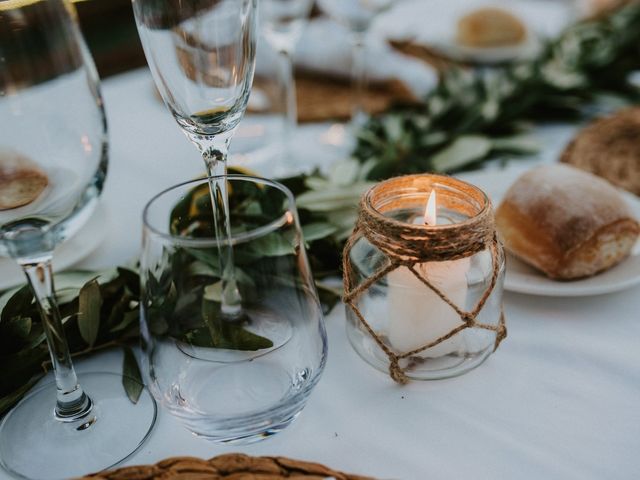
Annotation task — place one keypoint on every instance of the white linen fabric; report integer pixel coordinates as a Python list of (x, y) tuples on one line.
[(558, 400), (325, 48)]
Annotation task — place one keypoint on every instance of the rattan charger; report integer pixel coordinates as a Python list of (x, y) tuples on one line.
[(233, 466)]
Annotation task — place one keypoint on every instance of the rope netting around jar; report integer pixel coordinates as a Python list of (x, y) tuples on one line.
[(407, 245)]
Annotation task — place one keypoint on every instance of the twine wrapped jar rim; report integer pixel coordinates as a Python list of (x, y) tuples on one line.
[(419, 242)]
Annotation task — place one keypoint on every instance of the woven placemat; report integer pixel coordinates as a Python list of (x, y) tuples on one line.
[(233, 466), (427, 55), (325, 98), (321, 98)]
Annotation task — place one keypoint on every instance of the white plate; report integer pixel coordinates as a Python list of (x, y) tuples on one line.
[(434, 25), (527, 49), (67, 254), (522, 278)]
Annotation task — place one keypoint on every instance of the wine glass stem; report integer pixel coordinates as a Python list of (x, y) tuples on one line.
[(358, 78), (215, 158), (288, 95), (72, 402)]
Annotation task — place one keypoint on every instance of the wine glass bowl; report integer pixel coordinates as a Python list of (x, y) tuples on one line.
[(283, 20), (53, 142), (356, 15), (53, 162), (225, 381), (202, 59)]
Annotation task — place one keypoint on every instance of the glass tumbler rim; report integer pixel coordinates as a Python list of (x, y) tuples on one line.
[(290, 215)]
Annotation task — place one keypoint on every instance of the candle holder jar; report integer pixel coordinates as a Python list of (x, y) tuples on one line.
[(424, 301)]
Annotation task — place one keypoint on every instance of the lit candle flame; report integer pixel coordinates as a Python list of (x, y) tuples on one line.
[(430, 217)]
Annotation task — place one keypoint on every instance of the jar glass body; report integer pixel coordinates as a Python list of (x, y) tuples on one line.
[(406, 314)]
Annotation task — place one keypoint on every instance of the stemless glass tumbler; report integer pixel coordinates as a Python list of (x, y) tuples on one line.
[(229, 381)]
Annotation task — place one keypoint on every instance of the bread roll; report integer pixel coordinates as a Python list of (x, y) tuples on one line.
[(566, 222), (21, 181), (609, 148), (490, 27)]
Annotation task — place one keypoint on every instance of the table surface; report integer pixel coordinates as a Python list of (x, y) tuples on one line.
[(559, 399)]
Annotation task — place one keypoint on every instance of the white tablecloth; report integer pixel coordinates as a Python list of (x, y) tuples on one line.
[(560, 399)]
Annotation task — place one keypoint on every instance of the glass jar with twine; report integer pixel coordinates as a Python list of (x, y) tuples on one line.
[(423, 289)]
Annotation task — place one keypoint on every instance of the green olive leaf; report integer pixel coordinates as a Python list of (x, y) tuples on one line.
[(344, 172), (89, 303), (462, 151), (131, 279), (201, 269), (221, 333), (19, 327), (17, 303), (131, 376), (519, 144), (332, 198), (213, 292), (317, 230), (128, 318), (9, 400), (272, 245)]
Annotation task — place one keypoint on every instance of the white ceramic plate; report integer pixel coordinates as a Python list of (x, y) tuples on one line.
[(85, 241), (522, 278), (450, 48), (434, 25)]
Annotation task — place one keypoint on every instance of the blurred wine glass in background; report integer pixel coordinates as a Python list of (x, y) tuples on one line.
[(357, 16), (282, 22)]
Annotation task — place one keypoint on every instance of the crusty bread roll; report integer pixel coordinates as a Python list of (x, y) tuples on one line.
[(490, 27), (566, 222), (609, 148), (21, 181)]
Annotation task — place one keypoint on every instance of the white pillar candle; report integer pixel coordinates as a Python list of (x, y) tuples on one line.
[(417, 315)]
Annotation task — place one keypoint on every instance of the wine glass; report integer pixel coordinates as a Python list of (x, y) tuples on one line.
[(202, 57), (282, 24), (273, 360), (53, 161), (357, 16)]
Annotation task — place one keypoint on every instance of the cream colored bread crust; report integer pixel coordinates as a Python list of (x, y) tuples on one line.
[(21, 181), (566, 222), (609, 148), (490, 27)]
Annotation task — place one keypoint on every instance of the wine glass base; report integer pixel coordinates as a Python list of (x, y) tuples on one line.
[(33, 444)]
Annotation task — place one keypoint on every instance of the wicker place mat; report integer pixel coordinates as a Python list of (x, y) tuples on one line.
[(426, 54), (233, 466), (321, 98)]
